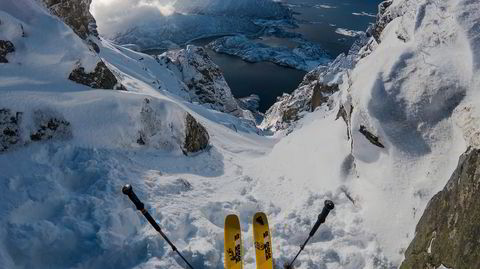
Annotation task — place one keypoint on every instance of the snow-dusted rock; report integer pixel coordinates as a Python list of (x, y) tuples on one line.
[(100, 78), (318, 84), (6, 47), (45, 124), (204, 79), (306, 56), (9, 129)]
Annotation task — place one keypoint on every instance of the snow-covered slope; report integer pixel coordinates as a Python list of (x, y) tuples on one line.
[(405, 105), (380, 146)]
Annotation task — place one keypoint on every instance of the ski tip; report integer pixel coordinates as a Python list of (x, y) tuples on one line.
[(260, 218), (231, 219)]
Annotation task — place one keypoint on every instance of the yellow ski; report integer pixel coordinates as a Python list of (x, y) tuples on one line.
[(233, 243), (262, 241)]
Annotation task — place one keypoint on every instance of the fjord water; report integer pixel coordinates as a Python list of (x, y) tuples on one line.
[(318, 22)]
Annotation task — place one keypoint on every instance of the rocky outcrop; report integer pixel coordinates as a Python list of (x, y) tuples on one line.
[(76, 14), (181, 130), (100, 78), (204, 79), (384, 17), (6, 47), (370, 137), (196, 136), (447, 233), (9, 129), (47, 125), (50, 126), (324, 81), (321, 92)]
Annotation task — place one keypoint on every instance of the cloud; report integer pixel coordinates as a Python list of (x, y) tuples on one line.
[(114, 16)]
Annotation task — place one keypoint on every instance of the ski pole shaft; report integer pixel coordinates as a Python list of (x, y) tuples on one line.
[(128, 190), (321, 219)]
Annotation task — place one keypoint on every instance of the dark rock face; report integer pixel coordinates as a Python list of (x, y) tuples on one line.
[(6, 47), (384, 17), (196, 136), (9, 129), (448, 232), (290, 115), (321, 92), (76, 14), (100, 78), (370, 137)]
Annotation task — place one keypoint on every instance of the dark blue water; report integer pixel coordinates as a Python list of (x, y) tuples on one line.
[(318, 22), (321, 19)]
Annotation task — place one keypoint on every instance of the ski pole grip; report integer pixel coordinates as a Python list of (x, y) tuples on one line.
[(321, 218), (128, 190)]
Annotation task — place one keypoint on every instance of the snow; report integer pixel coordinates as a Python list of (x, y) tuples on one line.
[(346, 32), (324, 6), (363, 13), (44, 65), (62, 205)]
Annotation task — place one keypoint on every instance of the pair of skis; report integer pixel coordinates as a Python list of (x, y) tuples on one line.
[(233, 235), (234, 247)]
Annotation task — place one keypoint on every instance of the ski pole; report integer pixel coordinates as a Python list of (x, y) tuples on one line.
[(128, 190), (321, 219)]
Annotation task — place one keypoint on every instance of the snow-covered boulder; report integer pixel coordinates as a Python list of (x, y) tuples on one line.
[(187, 133), (100, 78), (41, 124)]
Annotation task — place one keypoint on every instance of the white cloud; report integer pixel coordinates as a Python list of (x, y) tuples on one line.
[(114, 16)]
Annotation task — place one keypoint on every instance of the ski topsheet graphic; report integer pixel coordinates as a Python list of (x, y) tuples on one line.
[(262, 242), (233, 243)]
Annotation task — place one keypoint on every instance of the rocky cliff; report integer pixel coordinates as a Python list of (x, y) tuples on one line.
[(204, 80), (448, 233), (76, 14)]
